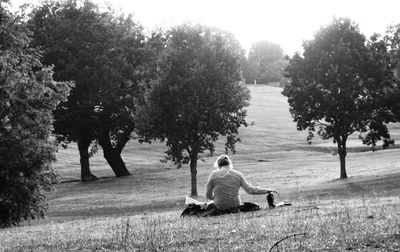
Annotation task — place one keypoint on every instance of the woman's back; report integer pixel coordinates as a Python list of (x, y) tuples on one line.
[(226, 184)]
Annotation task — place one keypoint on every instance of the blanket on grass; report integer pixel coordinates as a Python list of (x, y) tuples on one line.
[(205, 210)]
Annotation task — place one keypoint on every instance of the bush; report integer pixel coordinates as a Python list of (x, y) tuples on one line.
[(28, 95), (25, 176)]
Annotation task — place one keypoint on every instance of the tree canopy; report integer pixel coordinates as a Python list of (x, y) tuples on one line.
[(265, 63), (105, 54), (391, 41), (340, 86), (28, 94), (197, 97)]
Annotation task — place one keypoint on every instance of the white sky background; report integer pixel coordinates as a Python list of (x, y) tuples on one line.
[(285, 22)]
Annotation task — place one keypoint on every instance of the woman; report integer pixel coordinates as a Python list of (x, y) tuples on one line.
[(224, 183)]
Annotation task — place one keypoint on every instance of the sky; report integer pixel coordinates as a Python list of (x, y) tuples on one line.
[(284, 22)]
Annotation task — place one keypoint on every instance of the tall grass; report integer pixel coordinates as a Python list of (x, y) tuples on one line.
[(359, 224)]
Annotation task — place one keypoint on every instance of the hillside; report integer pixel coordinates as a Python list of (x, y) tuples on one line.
[(272, 154)]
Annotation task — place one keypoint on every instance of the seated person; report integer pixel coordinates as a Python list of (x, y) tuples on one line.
[(224, 183)]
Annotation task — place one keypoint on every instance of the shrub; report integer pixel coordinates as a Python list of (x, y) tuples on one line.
[(28, 95)]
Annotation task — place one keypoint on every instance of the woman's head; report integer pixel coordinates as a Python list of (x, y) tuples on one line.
[(223, 160)]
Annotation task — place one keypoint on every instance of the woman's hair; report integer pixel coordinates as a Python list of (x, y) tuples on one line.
[(223, 160)]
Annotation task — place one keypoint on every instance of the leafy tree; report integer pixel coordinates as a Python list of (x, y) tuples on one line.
[(28, 95), (106, 56), (198, 97), (340, 86), (392, 43), (265, 63)]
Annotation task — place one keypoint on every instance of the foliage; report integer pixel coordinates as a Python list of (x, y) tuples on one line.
[(392, 42), (105, 54), (28, 95), (265, 63), (340, 86), (198, 96)]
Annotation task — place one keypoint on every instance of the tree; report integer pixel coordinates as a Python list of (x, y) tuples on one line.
[(339, 86), (28, 95), (391, 42), (198, 97), (106, 56), (265, 63)]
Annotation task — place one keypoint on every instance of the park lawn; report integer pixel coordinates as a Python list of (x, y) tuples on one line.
[(141, 212)]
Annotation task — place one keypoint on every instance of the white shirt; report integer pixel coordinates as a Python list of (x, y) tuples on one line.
[(223, 187)]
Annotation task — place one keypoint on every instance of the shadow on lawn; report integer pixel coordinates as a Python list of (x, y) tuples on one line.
[(380, 185), (79, 180)]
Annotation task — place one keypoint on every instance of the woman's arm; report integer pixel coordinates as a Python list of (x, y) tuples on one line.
[(250, 189)]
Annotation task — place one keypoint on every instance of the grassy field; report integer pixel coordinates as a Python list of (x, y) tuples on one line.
[(141, 212)]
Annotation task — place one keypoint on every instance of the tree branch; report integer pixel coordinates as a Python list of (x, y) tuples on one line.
[(123, 139), (287, 237), (322, 124), (189, 151)]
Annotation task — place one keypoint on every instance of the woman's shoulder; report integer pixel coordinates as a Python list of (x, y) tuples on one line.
[(236, 173), (225, 171), (214, 172)]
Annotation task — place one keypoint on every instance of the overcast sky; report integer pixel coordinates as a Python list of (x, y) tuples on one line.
[(285, 22)]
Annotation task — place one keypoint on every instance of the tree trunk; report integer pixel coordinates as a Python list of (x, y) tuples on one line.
[(193, 173), (86, 175), (342, 155), (343, 173), (117, 164), (113, 157)]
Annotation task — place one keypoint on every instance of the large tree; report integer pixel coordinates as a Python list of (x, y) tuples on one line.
[(105, 54), (198, 97), (392, 42), (340, 86), (265, 63), (28, 95)]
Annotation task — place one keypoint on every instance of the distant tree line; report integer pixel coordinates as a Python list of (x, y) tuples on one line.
[(264, 64)]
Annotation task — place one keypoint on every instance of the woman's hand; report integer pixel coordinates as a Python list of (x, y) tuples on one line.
[(272, 191)]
